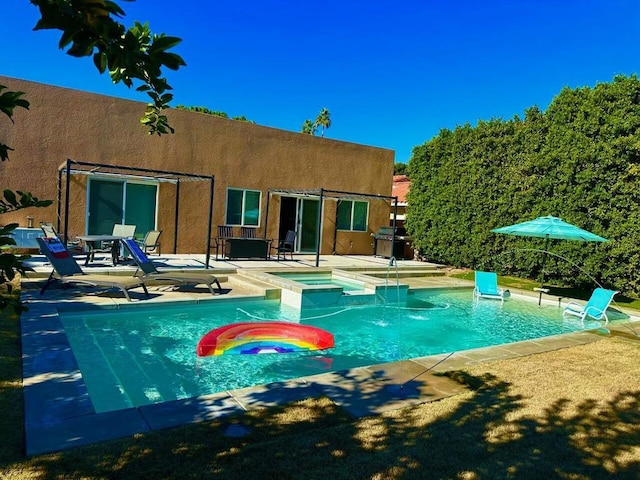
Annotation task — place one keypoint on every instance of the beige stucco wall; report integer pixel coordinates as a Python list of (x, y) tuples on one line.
[(68, 124)]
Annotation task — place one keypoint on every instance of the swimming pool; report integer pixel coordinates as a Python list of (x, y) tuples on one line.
[(146, 355)]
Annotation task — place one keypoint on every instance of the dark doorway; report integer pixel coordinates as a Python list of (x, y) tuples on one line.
[(288, 215)]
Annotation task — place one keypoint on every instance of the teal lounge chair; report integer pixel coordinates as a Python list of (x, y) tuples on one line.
[(150, 272), (596, 307), (67, 271), (487, 287)]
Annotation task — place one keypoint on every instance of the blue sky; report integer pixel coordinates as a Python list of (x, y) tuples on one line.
[(392, 74)]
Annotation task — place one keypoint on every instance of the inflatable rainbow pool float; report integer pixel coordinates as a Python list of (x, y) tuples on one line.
[(250, 338)]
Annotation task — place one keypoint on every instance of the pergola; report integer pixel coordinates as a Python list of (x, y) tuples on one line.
[(74, 167), (322, 195)]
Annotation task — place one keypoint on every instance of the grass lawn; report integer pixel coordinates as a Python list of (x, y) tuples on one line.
[(568, 414)]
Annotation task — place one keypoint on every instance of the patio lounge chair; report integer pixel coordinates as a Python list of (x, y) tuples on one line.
[(74, 247), (150, 272), (67, 271), (487, 286), (596, 307), (286, 245)]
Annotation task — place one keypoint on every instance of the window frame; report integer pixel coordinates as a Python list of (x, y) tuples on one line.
[(126, 181), (243, 217), (352, 215)]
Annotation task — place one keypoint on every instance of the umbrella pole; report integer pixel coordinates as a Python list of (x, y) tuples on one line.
[(544, 262)]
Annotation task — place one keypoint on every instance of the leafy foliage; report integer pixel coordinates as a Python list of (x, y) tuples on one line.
[(11, 264), (12, 202), (309, 128), (400, 168), (135, 54), (8, 102), (206, 110), (579, 160), (322, 121), (89, 29)]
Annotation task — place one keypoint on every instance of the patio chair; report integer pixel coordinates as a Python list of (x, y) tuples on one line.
[(224, 232), (151, 242), (113, 248), (596, 307), (150, 272), (67, 271), (248, 232), (487, 286), (286, 246)]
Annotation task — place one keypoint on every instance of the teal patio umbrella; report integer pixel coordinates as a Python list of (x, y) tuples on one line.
[(549, 228)]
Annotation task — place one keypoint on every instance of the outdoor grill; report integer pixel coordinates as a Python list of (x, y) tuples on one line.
[(386, 245)]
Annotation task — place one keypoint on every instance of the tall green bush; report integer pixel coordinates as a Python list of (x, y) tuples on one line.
[(578, 160)]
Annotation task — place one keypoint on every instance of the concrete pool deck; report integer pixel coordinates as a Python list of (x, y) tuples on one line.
[(59, 413)]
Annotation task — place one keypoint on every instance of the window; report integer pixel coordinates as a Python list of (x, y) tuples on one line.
[(112, 201), (243, 207), (352, 215)]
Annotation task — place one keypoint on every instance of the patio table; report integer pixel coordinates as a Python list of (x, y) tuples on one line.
[(91, 242), (241, 247)]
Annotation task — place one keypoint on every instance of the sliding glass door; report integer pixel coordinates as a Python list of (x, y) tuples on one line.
[(120, 201), (308, 235)]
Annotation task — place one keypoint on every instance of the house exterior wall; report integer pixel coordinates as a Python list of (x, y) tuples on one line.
[(66, 124)]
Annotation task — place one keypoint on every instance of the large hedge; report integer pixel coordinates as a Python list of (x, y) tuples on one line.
[(579, 160)]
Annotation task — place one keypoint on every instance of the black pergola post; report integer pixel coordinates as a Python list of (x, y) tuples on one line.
[(319, 227)]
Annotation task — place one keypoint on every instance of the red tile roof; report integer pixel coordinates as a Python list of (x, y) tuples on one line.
[(401, 184)]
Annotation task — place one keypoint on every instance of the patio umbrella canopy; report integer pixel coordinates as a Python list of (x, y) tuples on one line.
[(549, 228)]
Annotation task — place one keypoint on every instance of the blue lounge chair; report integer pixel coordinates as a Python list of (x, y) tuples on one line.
[(596, 307), (487, 286), (150, 272), (67, 271)]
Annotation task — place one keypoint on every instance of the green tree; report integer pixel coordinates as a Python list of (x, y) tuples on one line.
[(240, 118), (131, 55), (308, 127), (8, 102), (579, 160), (323, 121), (203, 110), (400, 168)]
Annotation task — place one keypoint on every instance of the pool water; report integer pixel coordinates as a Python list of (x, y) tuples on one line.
[(322, 279), (144, 355)]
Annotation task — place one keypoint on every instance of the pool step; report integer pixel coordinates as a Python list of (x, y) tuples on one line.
[(405, 273)]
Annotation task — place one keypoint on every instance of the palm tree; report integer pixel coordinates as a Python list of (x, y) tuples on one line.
[(309, 127), (323, 120)]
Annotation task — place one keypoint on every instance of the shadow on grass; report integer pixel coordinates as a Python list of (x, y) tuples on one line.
[(482, 436)]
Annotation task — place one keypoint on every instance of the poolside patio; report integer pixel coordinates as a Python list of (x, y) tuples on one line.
[(59, 413)]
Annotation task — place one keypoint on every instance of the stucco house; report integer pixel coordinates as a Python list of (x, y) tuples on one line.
[(253, 175)]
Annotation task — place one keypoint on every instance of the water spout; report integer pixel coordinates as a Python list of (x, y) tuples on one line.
[(392, 262)]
